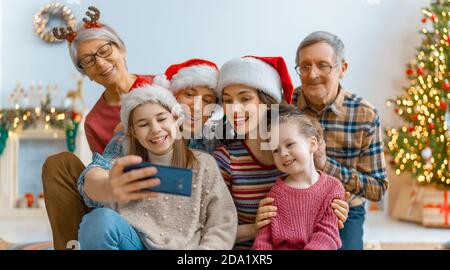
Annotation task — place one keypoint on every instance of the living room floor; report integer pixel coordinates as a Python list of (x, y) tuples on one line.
[(380, 232), (24, 230)]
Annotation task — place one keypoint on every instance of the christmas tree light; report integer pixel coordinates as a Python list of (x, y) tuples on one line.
[(422, 146)]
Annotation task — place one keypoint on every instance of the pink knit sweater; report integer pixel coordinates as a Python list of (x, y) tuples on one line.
[(305, 219)]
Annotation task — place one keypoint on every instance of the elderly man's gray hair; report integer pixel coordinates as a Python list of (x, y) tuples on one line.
[(323, 36)]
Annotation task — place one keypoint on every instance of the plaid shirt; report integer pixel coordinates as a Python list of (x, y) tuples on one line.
[(354, 144), (204, 144)]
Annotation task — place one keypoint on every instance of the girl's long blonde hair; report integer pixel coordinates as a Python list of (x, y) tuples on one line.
[(182, 155)]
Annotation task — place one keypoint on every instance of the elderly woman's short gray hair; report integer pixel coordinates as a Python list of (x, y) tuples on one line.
[(327, 37), (104, 33)]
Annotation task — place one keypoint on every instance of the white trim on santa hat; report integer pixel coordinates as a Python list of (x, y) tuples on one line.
[(162, 81), (198, 75), (147, 93), (251, 72)]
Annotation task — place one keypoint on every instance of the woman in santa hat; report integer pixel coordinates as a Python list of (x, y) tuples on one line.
[(248, 87), (98, 52)]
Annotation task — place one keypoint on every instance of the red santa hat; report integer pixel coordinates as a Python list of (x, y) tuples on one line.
[(191, 73), (267, 74), (148, 93)]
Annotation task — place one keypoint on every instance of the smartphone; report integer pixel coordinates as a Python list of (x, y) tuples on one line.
[(174, 180)]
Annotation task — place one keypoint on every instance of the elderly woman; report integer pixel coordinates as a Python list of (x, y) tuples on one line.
[(98, 52)]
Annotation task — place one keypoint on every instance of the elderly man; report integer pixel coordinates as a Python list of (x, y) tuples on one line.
[(352, 132)]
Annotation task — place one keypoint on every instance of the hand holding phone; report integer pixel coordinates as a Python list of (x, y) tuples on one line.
[(174, 180), (122, 188)]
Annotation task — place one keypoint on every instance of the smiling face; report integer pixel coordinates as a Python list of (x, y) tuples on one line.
[(241, 106), (196, 100), (154, 127), (106, 71), (294, 151), (318, 87)]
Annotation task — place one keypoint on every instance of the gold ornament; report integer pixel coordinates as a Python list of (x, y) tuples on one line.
[(76, 97), (49, 12)]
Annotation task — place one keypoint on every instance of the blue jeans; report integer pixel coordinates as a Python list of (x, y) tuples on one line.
[(104, 229), (352, 233)]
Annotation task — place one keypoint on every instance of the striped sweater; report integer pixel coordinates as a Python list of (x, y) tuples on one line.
[(248, 180)]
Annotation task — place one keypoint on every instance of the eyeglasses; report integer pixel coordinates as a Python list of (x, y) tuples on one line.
[(89, 60), (324, 69)]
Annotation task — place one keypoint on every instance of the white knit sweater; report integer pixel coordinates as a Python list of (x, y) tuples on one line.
[(205, 220)]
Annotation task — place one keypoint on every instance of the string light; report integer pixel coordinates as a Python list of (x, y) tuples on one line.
[(18, 118), (424, 106)]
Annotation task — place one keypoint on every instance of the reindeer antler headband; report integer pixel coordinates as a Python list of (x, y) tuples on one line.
[(94, 14), (62, 33), (67, 33)]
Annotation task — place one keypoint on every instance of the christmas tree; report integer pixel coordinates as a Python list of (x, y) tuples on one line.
[(422, 145)]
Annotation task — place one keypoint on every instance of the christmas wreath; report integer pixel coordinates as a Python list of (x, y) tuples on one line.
[(47, 14)]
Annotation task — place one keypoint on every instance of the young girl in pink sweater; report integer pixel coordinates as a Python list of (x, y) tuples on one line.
[(305, 219)]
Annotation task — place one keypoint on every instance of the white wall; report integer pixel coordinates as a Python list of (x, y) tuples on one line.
[(380, 36)]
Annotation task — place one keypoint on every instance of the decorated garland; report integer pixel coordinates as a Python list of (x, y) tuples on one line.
[(43, 116), (22, 119), (3, 138), (71, 131)]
